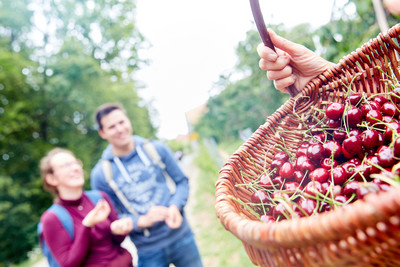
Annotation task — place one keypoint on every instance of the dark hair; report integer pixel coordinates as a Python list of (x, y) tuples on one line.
[(106, 109)]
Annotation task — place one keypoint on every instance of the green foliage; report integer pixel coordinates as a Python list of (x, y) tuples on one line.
[(237, 104), (49, 92), (244, 103)]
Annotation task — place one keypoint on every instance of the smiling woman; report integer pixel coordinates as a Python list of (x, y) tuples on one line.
[(80, 225)]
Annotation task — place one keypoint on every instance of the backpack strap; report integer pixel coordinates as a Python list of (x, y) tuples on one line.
[(94, 196), (106, 165), (151, 150), (64, 217), (66, 220)]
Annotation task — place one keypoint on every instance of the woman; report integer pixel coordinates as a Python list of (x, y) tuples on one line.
[(97, 232)]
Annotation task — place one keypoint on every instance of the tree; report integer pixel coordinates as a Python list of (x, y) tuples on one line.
[(247, 102), (53, 75)]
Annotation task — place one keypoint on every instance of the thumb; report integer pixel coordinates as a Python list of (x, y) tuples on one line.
[(285, 45)]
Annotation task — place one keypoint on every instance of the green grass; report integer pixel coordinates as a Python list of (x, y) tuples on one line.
[(217, 246), (230, 146)]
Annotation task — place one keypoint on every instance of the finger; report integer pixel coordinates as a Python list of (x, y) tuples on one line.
[(280, 73), (266, 52), (282, 43), (278, 65), (282, 84)]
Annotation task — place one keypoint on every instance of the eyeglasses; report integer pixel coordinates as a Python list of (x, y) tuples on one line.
[(68, 165)]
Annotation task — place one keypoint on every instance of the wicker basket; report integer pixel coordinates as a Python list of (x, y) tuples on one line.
[(365, 233)]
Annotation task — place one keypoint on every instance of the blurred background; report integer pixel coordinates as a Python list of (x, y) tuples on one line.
[(187, 73)]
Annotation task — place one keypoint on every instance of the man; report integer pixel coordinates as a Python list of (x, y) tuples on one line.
[(161, 232)]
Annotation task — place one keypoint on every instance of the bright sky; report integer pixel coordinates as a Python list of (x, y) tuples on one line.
[(193, 42)]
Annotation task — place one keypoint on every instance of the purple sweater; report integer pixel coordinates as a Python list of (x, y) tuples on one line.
[(91, 246)]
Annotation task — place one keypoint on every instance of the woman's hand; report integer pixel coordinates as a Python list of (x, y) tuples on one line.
[(291, 64), (98, 214), (122, 226)]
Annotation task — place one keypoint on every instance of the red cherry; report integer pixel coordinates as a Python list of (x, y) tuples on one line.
[(388, 119), (308, 205), (396, 147), (353, 116), (350, 189), (395, 95), (301, 151), (334, 111), (334, 124), (386, 157), (362, 172), (292, 187), (281, 156), (324, 207), (315, 152), (341, 199), (374, 117), (332, 148), (339, 135), (279, 211), (325, 187), (354, 132), (318, 139), (389, 109), (338, 175), (276, 164), (314, 129), (278, 181), (328, 163), (393, 126), (320, 174), (354, 99), (352, 144), (370, 138), (346, 154), (266, 182), (380, 99), (373, 162), (286, 171), (259, 196), (314, 188), (278, 194), (337, 190), (370, 106), (298, 176), (349, 168), (356, 161)]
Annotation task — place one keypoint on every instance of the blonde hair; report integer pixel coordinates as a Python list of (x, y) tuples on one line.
[(46, 168)]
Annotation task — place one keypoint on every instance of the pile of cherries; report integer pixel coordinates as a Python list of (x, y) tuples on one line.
[(352, 151)]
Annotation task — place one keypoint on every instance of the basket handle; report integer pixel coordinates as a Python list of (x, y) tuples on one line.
[(262, 29)]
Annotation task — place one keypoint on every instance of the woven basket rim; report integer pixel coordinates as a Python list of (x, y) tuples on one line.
[(301, 232)]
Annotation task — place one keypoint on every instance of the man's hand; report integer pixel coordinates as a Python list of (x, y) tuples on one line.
[(122, 226), (155, 214), (174, 218)]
